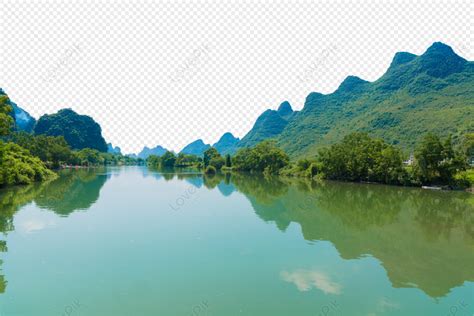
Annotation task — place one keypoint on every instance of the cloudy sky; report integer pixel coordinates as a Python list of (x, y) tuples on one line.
[(170, 72)]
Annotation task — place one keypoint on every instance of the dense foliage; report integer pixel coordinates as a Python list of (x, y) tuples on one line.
[(6, 121), (18, 166), (437, 162), (361, 158), (265, 157), (79, 131), (53, 151), (213, 158)]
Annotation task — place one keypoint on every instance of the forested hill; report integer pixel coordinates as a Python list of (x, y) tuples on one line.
[(433, 92)]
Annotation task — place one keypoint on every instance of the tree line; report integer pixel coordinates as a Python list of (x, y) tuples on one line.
[(357, 158)]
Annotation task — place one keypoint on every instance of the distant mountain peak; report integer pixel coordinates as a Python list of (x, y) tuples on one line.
[(440, 61), (401, 58), (227, 136), (113, 150), (226, 144), (285, 108), (351, 83), (156, 151), (439, 48), (197, 147)]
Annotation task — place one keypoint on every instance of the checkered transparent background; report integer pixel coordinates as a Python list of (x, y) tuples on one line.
[(139, 67)]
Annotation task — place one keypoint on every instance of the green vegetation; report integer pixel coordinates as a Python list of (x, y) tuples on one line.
[(437, 162), (265, 157), (361, 158), (418, 94), (6, 121), (53, 151), (213, 158), (79, 131), (168, 160), (18, 166)]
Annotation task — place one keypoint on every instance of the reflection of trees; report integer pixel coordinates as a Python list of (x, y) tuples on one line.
[(265, 189), (423, 238), (360, 205), (439, 214), (73, 190)]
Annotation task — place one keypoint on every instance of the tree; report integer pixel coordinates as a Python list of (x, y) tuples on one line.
[(228, 161), (51, 150), (168, 160), (217, 162), (209, 154), (153, 161), (360, 158), (265, 157), (89, 157), (6, 121), (18, 166), (437, 162)]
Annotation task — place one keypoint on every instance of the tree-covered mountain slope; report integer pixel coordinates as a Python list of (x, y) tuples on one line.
[(79, 131), (268, 125), (433, 92)]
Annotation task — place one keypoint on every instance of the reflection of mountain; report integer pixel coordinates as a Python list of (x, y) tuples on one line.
[(423, 238)]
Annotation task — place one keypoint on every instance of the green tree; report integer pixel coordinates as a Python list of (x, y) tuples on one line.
[(18, 166), (168, 160), (265, 157), (360, 158), (437, 162), (228, 161), (209, 154), (89, 157), (6, 121), (153, 161)]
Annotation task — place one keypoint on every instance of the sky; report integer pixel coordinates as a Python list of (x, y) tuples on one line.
[(170, 72)]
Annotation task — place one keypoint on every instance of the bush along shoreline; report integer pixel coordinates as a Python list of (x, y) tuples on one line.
[(436, 163)]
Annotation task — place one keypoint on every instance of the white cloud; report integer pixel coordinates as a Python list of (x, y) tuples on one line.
[(305, 280)]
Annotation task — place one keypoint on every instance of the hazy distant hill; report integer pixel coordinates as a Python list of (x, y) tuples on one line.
[(227, 144), (146, 152), (113, 150), (195, 148)]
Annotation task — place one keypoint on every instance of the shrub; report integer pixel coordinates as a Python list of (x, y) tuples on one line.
[(18, 166)]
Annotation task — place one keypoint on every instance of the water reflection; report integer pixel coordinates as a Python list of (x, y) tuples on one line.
[(423, 238), (73, 190)]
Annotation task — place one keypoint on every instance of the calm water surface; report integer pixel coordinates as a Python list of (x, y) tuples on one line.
[(129, 241)]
